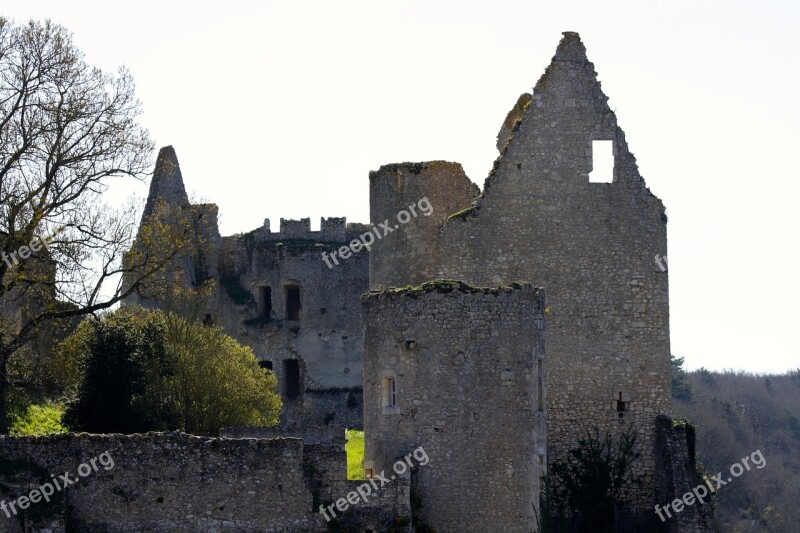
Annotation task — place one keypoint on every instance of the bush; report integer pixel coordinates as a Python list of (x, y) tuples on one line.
[(151, 371)]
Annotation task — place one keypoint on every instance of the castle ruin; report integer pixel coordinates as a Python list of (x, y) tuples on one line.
[(495, 333)]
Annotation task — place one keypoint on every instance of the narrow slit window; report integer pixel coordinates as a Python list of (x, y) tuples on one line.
[(602, 162), (293, 305), (389, 392), (291, 373), (267, 298), (540, 383)]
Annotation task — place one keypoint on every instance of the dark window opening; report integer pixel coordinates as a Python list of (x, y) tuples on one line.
[(267, 299), (265, 364), (293, 306), (622, 406), (291, 370)]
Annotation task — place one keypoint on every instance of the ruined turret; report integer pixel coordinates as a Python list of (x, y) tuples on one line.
[(167, 183)]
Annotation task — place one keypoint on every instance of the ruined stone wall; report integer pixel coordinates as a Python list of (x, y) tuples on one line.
[(677, 475), (179, 482), (175, 482), (591, 246), (408, 255), (465, 363), (386, 509), (325, 339)]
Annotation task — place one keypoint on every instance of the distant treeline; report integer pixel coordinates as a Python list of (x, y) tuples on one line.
[(737, 413)]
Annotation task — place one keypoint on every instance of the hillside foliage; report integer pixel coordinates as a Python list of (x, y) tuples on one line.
[(737, 413)]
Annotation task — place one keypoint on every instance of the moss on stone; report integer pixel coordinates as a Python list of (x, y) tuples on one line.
[(464, 213), (414, 168), (444, 286), (293, 247)]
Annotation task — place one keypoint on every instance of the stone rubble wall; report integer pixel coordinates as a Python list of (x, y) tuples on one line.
[(179, 482)]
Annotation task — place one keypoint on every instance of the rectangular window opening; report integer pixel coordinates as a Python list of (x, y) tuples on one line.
[(622, 404), (602, 162), (291, 372), (293, 306), (389, 392), (265, 364)]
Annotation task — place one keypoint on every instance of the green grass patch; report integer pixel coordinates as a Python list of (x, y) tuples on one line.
[(38, 420), (355, 453)]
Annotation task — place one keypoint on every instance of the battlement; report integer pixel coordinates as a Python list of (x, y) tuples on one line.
[(332, 229)]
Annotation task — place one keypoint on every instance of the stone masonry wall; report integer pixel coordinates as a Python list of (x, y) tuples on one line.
[(325, 340), (407, 256), (178, 482), (678, 474), (591, 246), (465, 363), (253, 274)]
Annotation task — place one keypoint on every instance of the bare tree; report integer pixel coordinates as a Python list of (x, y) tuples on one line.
[(66, 130)]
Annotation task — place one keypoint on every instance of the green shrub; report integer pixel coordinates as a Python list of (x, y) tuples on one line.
[(38, 420)]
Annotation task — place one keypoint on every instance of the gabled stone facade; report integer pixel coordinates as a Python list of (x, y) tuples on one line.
[(591, 246)]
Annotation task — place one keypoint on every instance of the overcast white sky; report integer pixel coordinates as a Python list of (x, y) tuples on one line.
[(281, 109)]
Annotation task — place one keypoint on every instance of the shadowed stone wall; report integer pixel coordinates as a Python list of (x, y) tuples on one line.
[(178, 482), (465, 365)]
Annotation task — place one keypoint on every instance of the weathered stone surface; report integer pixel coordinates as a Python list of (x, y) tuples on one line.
[(589, 245), (465, 363), (167, 183), (179, 482)]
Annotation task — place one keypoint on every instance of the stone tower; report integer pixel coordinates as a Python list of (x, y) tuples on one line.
[(459, 372)]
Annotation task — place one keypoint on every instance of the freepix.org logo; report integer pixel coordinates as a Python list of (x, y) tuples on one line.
[(56, 484), (24, 252), (371, 488), (383, 229)]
